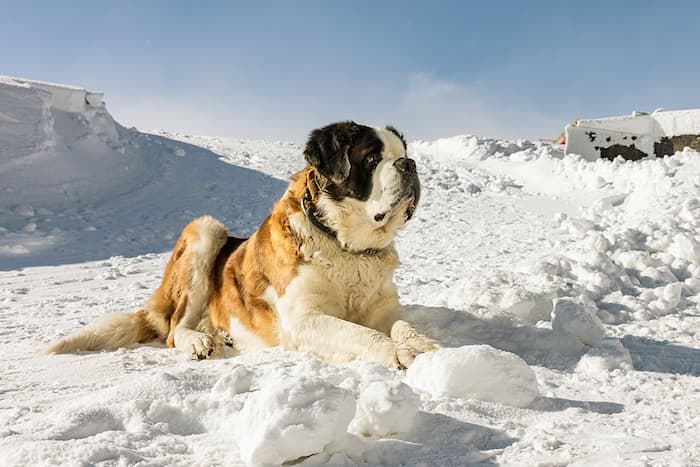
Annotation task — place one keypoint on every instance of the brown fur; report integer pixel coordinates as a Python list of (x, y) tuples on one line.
[(244, 270)]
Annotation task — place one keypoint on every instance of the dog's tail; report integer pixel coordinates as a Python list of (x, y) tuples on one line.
[(110, 332)]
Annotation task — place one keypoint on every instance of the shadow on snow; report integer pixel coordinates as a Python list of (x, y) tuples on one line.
[(181, 182)]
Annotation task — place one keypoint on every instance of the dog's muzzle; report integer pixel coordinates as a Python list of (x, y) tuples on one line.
[(410, 185)]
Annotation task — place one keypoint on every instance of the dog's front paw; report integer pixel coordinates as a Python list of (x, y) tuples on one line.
[(402, 357), (429, 345), (197, 344), (404, 333), (202, 346)]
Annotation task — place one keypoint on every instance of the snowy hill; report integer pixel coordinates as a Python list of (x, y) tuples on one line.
[(78, 186), (585, 275)]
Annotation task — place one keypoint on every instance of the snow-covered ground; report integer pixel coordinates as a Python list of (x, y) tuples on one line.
[(567, 291)]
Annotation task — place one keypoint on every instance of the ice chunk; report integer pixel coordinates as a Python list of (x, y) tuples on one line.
[(475, 372)]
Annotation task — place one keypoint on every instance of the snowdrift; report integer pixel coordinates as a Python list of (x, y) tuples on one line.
[(566, 291), (76, 185)]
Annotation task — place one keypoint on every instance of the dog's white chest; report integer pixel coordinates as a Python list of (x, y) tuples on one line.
[(355, 282), (344, 285)]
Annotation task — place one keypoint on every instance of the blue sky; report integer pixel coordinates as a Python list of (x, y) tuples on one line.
[(275, 70)]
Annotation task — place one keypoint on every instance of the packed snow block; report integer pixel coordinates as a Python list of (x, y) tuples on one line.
[(385, 408), (577, 318), (64, 97), (297, 418), (475, 372), (661, 133), (24, 119)]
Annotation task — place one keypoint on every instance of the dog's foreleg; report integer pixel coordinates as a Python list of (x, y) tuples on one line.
[(404, 333), (198, 345), (336, 340), (386, 311)]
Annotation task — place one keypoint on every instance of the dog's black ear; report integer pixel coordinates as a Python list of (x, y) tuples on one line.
[(328, 147)]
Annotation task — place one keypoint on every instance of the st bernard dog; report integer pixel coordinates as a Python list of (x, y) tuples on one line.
[(317, 275)]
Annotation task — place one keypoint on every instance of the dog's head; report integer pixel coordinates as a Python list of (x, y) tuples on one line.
[(370, 187)]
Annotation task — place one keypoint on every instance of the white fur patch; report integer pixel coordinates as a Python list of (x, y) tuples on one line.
[(393, 146), (245, 340), (386, 180)]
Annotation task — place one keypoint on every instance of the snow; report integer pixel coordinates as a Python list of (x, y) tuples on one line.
[(385, 408), (475, 372), (566, 293), (608, 355), (77, 186), (578, 319), (294, 419)]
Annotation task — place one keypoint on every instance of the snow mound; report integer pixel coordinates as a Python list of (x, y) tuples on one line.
[(577, 318), (607, 356), (295, 419), (385, 408), (475, 372), (238, 381)]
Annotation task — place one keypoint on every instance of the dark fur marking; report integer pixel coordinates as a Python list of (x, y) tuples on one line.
[(327, 150), (344, 144), (398, 134)]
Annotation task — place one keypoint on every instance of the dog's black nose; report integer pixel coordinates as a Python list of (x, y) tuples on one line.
[(406, 165)]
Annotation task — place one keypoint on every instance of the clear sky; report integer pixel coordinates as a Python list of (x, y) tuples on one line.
[(275, 70)]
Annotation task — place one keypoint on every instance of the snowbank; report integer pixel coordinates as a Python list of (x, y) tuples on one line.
[(76, 185)]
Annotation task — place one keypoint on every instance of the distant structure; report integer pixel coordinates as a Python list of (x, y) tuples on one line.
[(657, 134)]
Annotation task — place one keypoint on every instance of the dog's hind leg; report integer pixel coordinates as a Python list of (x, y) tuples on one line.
[(205, 237), (175, 319)]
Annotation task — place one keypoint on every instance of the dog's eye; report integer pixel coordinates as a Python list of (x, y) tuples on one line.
[(371, 161)]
